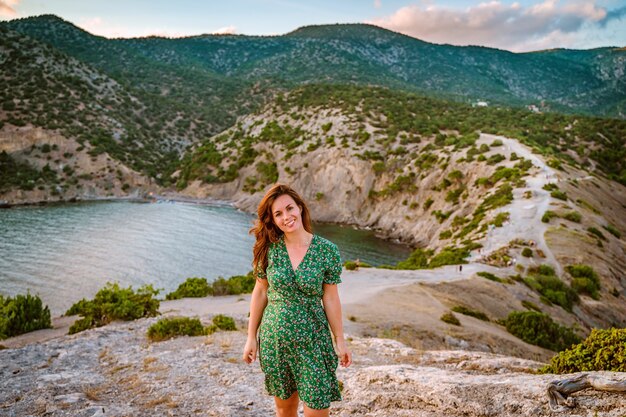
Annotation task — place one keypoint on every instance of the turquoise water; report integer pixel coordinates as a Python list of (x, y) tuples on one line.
[(67, 252)]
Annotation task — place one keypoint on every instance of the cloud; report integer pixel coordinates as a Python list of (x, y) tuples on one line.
[(7, 8), (98, 26), (378, 4), (227, 30), (515, 27)]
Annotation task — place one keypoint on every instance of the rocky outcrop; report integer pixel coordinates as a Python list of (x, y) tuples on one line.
[(81, 176), (116, 371)]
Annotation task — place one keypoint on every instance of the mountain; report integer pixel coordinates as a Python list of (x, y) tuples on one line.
[(210, 69), (519, 191)]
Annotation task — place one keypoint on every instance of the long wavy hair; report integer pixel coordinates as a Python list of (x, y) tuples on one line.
[(265, 230)]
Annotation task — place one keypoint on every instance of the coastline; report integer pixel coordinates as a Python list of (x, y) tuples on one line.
[(181, 198), (358, 288)]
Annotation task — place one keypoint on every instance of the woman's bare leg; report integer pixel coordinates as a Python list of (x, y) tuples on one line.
[(311, 412), (288, 407)]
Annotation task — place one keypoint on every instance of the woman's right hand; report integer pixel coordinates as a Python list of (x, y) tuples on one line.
[(249, 351)]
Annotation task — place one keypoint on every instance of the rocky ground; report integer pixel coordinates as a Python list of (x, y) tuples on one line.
[(116, 371)]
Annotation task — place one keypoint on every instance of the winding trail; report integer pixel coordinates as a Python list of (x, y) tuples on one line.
[(524, 213)]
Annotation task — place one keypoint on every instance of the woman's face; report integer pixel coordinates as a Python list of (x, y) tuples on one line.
[(286, 214)]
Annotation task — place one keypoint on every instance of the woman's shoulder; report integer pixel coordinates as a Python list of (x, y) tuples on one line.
[(325, 243)]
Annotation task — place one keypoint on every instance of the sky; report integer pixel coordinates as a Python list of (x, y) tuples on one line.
[(518, 26)]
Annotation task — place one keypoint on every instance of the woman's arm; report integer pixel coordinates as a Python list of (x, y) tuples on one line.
[(258, 301), (332, 307)]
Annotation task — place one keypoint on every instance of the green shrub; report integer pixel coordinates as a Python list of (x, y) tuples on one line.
[(489, 276), (22, 314), (418, 259), (223, 322), (527, 252), (558, 194), (446, 234), (530, 305), (500, 219), (573, 216), (237, 284), (539, 329), (169, 327), (613, 230), (469, 312), (350, 265), (597, 233), (602, 350), (586, 280), (450, 319), (543, 280), (114, 303), (548, 215), (449, 256), (192, 287)]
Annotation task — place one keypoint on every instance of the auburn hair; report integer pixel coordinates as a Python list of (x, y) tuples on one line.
[(265, 230)]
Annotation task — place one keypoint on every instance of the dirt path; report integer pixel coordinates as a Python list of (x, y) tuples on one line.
[(525, 213)]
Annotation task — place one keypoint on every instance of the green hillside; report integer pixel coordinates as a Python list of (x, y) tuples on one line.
[(208, 74), (401, 118)]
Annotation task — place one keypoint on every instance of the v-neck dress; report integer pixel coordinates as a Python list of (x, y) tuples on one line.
[(295, 346)]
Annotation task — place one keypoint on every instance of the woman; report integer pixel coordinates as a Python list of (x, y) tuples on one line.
[(294, 270)]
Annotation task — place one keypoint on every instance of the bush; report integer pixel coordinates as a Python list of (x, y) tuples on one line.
[(469, 312), (450, 319), (573, 216), (449, 256), (489, 276), (114, 303), (22, 314), (237, 284), (597, 233), (169, 327), (613, 230), (223, 322), (544, 281), (527, 252), (585, 280), (558, 194), (192, 287), (539, 329), (602, 350), (418, 259), (548, 215), (530, 305)]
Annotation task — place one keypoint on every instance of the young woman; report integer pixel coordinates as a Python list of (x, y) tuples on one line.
[(295, 270)]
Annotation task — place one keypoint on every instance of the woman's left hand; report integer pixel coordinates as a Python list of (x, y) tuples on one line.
[(345, 356)]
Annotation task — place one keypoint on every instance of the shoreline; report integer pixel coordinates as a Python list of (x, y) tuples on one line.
[(178, 198), (357, 287)]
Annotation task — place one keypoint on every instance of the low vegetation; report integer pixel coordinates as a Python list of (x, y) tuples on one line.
[(539, 329), (584, 280), (602, 350), (22, 314), (200, 287), (169, 327), (114, 303), (450, 318), (469, 312), (543, 279)]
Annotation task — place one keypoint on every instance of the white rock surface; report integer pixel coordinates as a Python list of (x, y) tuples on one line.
[(116, 371)]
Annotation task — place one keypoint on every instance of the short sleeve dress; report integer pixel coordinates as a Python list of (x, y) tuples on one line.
[(295, 347)]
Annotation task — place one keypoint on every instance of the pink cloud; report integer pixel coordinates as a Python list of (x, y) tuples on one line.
[(97, 26), (7, 8), (227, 30), (498, 25)]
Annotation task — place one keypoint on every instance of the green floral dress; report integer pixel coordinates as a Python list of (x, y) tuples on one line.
[(295, 346)]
